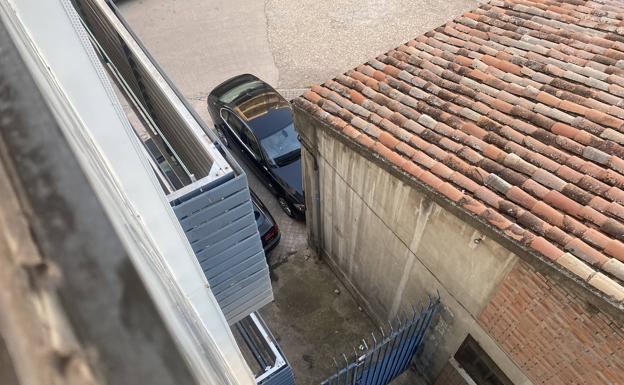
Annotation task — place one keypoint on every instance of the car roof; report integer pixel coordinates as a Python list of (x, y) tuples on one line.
[(272, 121)]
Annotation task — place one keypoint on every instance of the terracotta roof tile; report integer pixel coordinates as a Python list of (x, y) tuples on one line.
[(430, 179), (596, 238), (557, 235), (576, 266), (496, 219), (388, 140), (535, 188), (365, 141), (351, 132), (514, 111), (450, 192), (585, 252), (615, 248), (607, 286), (412, 168), (599, 204), (563, 203), (546, 248)]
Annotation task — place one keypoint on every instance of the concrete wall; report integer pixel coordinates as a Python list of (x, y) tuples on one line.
[(393, 245)]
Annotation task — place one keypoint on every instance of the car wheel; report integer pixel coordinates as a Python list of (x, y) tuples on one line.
[(222, 137), (286, 207)]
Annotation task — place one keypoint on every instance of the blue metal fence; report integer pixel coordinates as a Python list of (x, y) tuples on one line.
[(383, 359)]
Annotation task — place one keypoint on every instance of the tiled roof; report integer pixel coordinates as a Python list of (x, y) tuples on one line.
[(514, 112)]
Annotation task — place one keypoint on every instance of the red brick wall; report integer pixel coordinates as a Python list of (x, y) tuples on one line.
[(450, 376), (552, 335)]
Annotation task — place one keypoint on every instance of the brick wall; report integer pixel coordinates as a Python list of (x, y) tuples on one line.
[(450, 376), (553, 336)]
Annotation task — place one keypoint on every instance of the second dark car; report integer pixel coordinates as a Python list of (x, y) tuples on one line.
[(267, 226), (253, 118)]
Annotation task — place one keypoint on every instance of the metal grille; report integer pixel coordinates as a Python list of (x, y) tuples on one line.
[(389, 356)]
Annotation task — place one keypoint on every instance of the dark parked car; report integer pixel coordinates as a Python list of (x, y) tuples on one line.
[(267, 227), (253, 118)]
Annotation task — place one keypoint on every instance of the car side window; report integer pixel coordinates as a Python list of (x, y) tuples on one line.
[(233, 122), (250, 141)]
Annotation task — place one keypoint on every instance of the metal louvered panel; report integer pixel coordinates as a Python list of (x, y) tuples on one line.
[(110, 42), (147, 81), (220, 225)]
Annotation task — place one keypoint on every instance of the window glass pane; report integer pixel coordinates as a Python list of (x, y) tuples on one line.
[(481, 368), (250, 140), (232, 121), (280, 145)]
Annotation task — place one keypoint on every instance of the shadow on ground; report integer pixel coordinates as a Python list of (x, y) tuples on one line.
[(313, 317)]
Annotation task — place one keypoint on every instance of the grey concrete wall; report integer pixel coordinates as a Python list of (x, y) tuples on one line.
[(393, 245)]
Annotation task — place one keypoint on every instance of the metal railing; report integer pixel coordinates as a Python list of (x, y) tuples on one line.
[(152, 95), (385, 358)]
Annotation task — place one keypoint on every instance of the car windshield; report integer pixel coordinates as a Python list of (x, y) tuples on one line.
[(282, 146)]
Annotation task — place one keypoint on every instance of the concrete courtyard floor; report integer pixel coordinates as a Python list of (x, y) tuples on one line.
[(291, 45), (313, 317)]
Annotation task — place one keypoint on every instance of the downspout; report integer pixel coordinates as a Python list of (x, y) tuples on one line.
[(317, 244)]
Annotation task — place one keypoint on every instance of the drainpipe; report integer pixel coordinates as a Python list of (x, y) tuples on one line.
[(318, 242)]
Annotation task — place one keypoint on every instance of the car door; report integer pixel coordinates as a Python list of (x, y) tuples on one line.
[(234, 125), (248, 145), (256, 155), (236, 128)]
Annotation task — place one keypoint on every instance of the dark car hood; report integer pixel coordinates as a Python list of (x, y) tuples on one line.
[(290, 176)]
